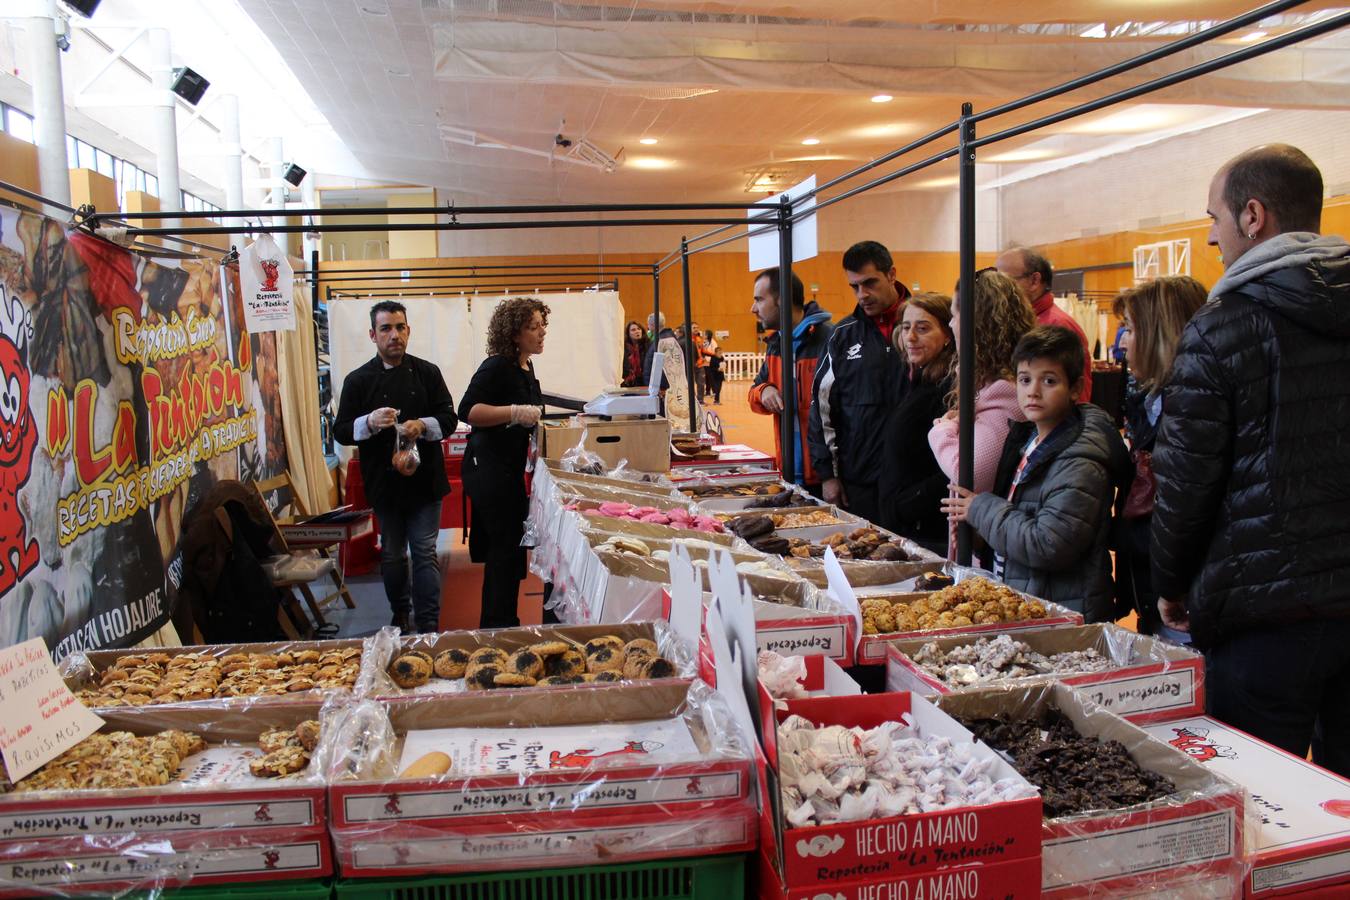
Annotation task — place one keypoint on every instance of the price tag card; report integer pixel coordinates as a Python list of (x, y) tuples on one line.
[(39, 717)]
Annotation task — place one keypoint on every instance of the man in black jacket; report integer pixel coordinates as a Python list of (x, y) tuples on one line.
[(395, 394), (857, 383), (1251, 524)]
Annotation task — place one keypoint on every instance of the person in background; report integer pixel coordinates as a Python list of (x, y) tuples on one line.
[(1152, 317), (1048, 518), (911, 484), (1251, 522), (810, 335), (503, 404), (398, 394), (860, 378), (1033, 275), (715, 374), (658, 331), (634, 355), (1002, 317), (700, 363)]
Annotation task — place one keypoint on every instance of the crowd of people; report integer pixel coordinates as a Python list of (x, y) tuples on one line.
[(1221, 514)]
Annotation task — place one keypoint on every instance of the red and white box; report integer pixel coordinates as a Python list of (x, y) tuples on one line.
[(543, 778), (856, 859), (819, 627), (1193, 834), (333, 527), (873, 648), (728, 471), (1150, 680), (727, 455), (1302, 841), (223, 818), (994, 881)]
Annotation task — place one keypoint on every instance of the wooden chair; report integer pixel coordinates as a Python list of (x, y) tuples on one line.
[(292, 586)]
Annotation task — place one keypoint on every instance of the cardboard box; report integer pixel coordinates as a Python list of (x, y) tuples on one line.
[(1195, 833), (1303, 836), (1150, 680), (644, 443), (738, 455), (554, 815), (872, 648), (225, 830), (333, 527), (1012, 880), (825, 859)]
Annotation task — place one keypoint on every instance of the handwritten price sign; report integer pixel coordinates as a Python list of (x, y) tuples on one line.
[(39, 717)]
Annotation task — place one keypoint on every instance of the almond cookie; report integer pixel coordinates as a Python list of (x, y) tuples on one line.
[(299, 683), (607, 640), (569, 662), (513, 680), (274, 739), (450, 663), (306, 656), (527, 663), (307, 733), (605, 659), (550, 648), (285, 761), (640, 646), (408, 671)]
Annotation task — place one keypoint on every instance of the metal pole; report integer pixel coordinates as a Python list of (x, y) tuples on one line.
[(49, 105), (656, 303), (689, 339), (166, 124), (966, 297), (788, 422), (314, 301)]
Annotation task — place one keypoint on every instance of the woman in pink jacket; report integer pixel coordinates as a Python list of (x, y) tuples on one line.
[(1002, 316)]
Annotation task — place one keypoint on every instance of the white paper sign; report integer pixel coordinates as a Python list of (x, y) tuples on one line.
[(39, 717), (266, 281), (842, 591), (764, 246), (686, 596)]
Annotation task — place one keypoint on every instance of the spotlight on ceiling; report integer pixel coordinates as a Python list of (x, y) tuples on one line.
[(293, 174), (811, 142), (882, 98), (647, 141), (83, 7), (189, 85)]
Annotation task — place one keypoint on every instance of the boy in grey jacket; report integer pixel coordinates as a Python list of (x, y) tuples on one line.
[(1060, 472)]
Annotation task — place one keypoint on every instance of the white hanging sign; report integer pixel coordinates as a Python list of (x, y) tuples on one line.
[(266, 281), (763, 247)]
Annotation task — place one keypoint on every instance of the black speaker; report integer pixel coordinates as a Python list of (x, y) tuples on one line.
[(83, 7), (189, 85), (293, 174)]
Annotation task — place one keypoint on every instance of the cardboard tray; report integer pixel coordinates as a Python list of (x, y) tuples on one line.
[(1195, 833), (873, 648), (1303, 834), (333, 527), (714, 471), (1151, 680), (644, 443)]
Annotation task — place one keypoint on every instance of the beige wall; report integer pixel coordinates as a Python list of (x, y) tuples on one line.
[(19, 163), (412, 244)]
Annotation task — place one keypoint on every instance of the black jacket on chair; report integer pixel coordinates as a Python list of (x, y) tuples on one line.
[(1252, 461)]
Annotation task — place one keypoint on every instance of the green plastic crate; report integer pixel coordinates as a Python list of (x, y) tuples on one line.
[(312, 889), (694, 878)]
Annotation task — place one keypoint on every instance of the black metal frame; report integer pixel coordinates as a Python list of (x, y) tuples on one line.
[(762, 217)]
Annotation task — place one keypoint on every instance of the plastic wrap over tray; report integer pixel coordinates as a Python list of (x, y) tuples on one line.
[(616, 770), (213, 821), (1145, 679), (1200, 831), (239, 675), (375, 679)]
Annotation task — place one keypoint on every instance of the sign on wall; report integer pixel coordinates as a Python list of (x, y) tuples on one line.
[(128, 387)]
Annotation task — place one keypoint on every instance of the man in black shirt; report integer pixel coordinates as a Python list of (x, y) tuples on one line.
[(393, 394)]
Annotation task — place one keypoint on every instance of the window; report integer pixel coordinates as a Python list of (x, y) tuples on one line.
[(103, 162), (19, 124)]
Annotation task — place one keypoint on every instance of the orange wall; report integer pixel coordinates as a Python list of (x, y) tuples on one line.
[(19, 163)]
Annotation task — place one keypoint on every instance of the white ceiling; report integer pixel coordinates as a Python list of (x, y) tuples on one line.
[(730, 90)]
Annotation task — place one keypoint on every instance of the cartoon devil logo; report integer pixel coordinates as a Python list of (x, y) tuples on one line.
[(584, 758), (1195, 743), (271, 858), (263, 813), (270, 269), (391, 807)]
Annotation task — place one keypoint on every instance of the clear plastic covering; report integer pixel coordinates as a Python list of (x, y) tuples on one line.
[(525, 778), (223, 792), (1195, 830), (579, 459), (559, 654)]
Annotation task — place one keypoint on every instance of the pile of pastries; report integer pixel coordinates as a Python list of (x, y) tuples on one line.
[(144, 679), (548, 663), (285, 750), (975, 601), (117, 759)]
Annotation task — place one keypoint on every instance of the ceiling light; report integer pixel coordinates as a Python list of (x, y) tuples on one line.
[(651, 162), (882, 98), (811, 142), (648, 141)]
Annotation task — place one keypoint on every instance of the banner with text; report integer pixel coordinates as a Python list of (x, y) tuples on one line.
[(129, 385)]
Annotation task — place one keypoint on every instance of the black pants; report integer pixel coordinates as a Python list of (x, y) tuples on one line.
[(863, 499), (1289, 686), (499, 510)]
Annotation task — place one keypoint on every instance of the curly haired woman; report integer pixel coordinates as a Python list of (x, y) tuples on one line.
[(503, 404)]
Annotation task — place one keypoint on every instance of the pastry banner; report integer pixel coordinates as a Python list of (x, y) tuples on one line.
[(128, 387)]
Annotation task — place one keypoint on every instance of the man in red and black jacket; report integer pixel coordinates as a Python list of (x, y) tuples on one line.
[(858, 383), (810, 334)]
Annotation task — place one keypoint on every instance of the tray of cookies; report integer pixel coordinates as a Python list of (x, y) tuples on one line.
[(493, 768), (236, 674), (155, 783), (534, 658)]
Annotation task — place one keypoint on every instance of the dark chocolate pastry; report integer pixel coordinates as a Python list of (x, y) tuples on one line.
[(933, 581), (750, 527)]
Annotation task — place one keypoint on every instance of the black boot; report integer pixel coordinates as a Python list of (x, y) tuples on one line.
[(400, 621)]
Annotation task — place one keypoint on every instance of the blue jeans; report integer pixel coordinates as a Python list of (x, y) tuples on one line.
[(414, 529)]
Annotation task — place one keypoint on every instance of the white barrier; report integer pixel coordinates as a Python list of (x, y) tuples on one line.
[(741, 366)]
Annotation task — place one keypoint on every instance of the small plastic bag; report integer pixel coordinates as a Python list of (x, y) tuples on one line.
[(581, 460), (406, 455)]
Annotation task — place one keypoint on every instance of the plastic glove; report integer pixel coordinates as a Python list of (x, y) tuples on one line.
[(524, 416)]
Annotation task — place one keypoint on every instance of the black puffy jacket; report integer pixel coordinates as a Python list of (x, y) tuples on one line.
[(1252, 517)]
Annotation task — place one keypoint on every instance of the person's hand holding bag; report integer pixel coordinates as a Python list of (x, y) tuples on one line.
[(406, 456)]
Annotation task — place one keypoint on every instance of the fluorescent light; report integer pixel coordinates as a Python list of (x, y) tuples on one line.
[(882, 98), (648, 141), (651, 162), (811, 142)]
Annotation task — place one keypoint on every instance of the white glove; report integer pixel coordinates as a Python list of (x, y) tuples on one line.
[(524, 416)]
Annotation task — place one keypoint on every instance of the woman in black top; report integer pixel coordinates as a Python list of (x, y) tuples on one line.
[(503, 404), (634, 352), (911, 485)]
